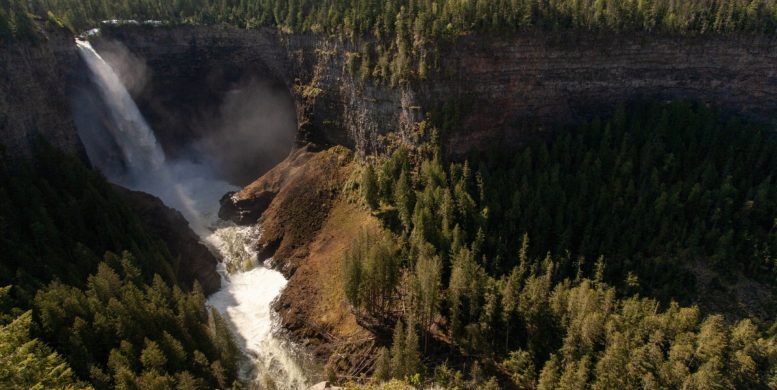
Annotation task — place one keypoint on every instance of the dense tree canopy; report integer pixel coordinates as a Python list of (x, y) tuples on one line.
[(425, 18), (77, 311), (26, 362), (59, 218), (399, 40), (651, 189), (537, 259), (122, 333)]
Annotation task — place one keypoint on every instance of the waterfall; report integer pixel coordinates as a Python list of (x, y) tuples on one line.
[(140, 150), (248, 288)]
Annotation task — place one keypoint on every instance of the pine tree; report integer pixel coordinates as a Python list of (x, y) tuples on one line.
[(353, 275), (550, 375), (521, 369), (27, 363), (428, 273), (370, 187), (404, 200), (152, 356), (412, 354), (382, 366), (398, 362)]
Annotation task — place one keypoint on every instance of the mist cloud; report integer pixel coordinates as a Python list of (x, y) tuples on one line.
[(131, 69), (248, 130), (255, 130)]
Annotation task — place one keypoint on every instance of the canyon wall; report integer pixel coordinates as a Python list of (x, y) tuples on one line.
[(34, 78), (191, 70), (546, 79), (507, 88)]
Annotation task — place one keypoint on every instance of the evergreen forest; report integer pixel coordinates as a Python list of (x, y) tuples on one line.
[(616, 217), (90, 298)]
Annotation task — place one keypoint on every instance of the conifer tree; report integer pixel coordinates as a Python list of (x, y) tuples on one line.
[(398, 362), (383, 366), (370, 187), (412, 353), (404, 200)]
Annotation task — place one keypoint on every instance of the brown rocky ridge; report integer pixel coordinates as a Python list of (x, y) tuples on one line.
[(308, 226)]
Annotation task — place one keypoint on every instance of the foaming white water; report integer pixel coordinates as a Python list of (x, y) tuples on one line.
[(248, 288), (245, 300)]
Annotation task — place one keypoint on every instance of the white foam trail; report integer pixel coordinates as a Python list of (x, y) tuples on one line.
[(248, 289), (245, 300)]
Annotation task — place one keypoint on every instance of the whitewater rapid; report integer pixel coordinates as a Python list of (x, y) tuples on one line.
[(247, 287), (245, 299)]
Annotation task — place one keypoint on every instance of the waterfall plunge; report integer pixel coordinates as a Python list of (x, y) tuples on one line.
[(247, 293), (140, 151)]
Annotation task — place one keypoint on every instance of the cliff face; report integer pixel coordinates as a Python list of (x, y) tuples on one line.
[(309, 220), (33, 94), (508, 84), (535, 79), (193, 260), (558, 78)]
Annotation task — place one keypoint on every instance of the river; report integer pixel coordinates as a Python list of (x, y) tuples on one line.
[(247, 287)]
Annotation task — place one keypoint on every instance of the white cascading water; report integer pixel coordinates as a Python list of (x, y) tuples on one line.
[(248, 288)]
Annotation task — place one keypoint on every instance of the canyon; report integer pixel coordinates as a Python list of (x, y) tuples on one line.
[(515, 89)]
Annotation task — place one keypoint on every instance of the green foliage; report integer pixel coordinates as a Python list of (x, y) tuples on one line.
[(58, 218), (397, 41), (371, 272), (28, 363), (369, 185), (654, 190), (405, 361), (398, 351), (426, 288), (113, 321), (650, 193), (383, 366), (122, 332), (520, 366), (413, 23)]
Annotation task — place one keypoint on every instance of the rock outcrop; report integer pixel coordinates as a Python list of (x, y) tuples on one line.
[(291, 202), (192, 260), (34, 103), (247, 205), (308, 226)]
